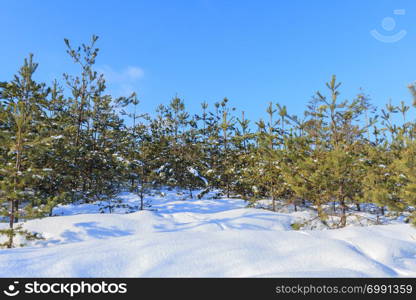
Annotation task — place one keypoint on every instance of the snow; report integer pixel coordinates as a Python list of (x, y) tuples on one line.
[(204, 238), (57, 137), (196, 174)]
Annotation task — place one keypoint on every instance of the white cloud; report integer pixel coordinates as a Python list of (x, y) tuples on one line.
[(123, 82), (134, 72)]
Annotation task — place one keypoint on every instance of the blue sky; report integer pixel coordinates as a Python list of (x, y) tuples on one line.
[(252, 52)]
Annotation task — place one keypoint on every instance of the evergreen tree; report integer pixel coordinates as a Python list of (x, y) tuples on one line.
[(243, 150), (328, 164), (405, 164), (96, 130), (226, 157), (22, 120)]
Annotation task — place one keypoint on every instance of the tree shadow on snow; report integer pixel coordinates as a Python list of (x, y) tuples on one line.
[(89, 230), (93, 230), (244, 222)]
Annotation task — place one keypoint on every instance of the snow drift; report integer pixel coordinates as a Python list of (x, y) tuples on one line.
[(205, 238)]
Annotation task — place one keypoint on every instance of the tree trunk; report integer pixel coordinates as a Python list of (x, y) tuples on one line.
[(132, 184), (343, 221), (11, 223), (16, 209), (321, 213), (141, 200)]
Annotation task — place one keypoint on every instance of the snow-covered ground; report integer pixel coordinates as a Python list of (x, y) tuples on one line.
[(180, 237)]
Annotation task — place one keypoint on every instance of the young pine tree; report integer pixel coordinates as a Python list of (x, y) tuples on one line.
[(22, 120)]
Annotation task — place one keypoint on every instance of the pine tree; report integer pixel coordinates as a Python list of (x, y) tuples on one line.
[(142, 152), (407, 180), (325, 166), (226, 125), (381, 184), (176, 133), (242, 145), (345, 142), (22, 120), (56, 157), (269, 160), (209, 141), (405, 163), (96, 130)]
